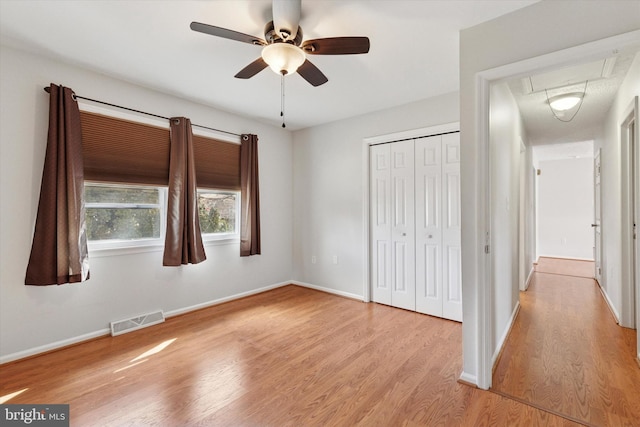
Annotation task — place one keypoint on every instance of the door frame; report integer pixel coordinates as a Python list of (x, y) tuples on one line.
[(629, 151), (592, 51), (366, 187), (597, 216)]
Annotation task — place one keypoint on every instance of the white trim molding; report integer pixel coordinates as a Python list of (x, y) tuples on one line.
[(54, 346), (468, 378), (218, 301), (505, 335), (329, 290), (612, 308), (529, 278)]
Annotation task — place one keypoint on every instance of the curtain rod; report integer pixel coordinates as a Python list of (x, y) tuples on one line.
[(48, 89)]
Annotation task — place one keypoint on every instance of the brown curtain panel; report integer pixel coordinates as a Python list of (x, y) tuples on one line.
[(59, 250), (249, 197), (183, 241)]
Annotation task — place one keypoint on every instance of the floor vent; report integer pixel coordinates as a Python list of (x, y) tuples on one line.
[(128, 325)]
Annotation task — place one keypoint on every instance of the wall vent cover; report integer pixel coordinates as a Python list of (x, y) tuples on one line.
[(135, 323)]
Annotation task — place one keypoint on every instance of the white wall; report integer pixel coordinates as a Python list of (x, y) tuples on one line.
[(36, 318), (611, 188), (536, 30), (507, 130), (328, 192)]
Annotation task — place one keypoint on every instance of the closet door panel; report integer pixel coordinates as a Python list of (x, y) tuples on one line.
[(380, 214), (428, 198), (403, 225), (451, 230)]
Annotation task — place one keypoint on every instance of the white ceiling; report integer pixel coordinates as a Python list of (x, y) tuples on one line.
[(602, 79), (414, 50)]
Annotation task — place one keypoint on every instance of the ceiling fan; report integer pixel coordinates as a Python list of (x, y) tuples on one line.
[(283, 48)]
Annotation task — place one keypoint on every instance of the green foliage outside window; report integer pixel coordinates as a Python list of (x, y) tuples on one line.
[(216, 212), (122, 213), (123, 224)]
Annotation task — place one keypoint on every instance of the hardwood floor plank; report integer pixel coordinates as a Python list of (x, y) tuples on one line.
[(288, 357)]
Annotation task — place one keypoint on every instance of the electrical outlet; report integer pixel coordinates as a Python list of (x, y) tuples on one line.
[(335, 259), (313, 259)]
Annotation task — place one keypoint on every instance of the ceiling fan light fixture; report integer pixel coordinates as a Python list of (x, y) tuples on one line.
[(565, 101), (283, 58)]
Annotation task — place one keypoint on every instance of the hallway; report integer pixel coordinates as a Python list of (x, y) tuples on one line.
[(565, 352)]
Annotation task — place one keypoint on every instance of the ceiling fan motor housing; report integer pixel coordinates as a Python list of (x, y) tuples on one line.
[(272, 36)]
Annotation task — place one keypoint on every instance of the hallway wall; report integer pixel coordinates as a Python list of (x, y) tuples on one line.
[(612, 203)]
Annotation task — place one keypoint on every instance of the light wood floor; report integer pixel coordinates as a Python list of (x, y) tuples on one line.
[(287, 357), (566, 353), (567, 267)]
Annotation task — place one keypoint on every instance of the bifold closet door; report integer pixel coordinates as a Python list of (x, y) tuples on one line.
[(428, 170), (393, 228), (451, 229), (438, 257)]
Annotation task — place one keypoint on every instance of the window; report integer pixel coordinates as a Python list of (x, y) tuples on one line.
[(218, 213), (119, 215), (124, 216)]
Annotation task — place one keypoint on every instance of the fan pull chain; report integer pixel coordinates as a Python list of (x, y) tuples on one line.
[(282, 99)]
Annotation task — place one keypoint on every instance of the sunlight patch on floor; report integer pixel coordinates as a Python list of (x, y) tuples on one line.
[(10, 396), (155, 350)]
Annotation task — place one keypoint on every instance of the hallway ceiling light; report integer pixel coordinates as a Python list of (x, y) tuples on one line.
[(560, 104), (566, 101)]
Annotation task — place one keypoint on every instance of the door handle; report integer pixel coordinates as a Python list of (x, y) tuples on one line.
[(595, 225)]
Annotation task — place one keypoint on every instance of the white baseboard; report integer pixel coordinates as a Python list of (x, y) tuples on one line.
[(468, 378), (615, 313), (53, 346), (504, 336), (211, 303), (529, 277), (103, 332), (565, 257), (328, 290)]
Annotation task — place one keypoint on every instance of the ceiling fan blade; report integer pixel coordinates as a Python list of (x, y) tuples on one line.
[(312, 74), (336, 46), (252, 69), (226, 34)]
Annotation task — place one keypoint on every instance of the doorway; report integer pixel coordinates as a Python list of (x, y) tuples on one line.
[(486, 338)]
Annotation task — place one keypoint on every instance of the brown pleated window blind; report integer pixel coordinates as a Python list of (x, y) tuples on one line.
[(123, 151)]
